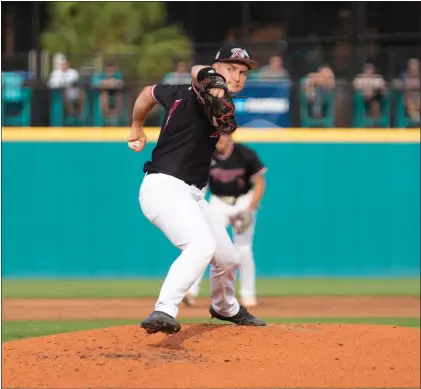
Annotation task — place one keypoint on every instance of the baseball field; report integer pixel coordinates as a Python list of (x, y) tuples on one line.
[(340, 203), (321, 333)]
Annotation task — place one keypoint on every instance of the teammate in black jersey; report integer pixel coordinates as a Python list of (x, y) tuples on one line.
[(236, 185), (172, 192)]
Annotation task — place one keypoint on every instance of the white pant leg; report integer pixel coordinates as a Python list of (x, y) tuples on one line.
[(244, 244), (176, 209), (224, 265), (195, 289), (222, 214)]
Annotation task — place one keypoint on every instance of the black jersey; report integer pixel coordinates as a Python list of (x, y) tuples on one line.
[(232, 175), (187, 139)]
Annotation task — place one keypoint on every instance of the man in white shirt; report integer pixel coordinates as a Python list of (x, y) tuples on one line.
[(373, 88), (411, 87), (66, 78), (180, 76), (275, 71)]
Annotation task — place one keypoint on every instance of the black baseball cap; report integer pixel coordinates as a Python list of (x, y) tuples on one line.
[(235, 53)]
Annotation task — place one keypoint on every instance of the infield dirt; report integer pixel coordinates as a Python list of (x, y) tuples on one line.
[(217, 356), (72, 309)]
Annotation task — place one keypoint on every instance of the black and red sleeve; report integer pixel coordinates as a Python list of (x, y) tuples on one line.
[(165, 95), (255, 166)]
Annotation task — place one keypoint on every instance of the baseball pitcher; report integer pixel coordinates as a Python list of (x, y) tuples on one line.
[(172, 193)]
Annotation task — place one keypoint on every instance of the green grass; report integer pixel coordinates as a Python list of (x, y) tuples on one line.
[(14, 330), (112, 288)]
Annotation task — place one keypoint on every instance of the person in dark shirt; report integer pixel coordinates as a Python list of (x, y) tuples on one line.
[(236, 185), (172, 194), (110, 83)]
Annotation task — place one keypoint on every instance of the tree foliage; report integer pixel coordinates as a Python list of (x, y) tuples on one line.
[(134, 33)]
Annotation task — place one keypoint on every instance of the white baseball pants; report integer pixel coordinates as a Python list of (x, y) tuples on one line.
[(182, 213), (243, 242)]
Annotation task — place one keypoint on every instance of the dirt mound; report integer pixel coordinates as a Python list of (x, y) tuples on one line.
[(218, 356)]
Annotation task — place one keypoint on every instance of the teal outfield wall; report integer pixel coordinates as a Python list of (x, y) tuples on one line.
[(71, 209)]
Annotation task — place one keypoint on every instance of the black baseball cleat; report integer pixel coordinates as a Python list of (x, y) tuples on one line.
[(242, 318), (160, 322)]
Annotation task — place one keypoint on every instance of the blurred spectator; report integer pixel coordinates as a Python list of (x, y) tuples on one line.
[(66, 79), (180, 76), (110, 83), (373, 87), (318, 87), (411, 87), (312, 53), (275, 71)]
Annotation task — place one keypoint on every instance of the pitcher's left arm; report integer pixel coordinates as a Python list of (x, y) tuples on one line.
[(259, 189)]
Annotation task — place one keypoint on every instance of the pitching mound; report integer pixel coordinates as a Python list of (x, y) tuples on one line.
[(218, 356)]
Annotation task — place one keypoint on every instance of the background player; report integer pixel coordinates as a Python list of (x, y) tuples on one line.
[(172, 192), (236, 184)]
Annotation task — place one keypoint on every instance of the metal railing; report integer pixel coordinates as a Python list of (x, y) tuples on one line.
[(42, 101), (344, 54)]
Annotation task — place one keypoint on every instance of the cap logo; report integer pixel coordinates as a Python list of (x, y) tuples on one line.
[(217, 55), (239, 53)]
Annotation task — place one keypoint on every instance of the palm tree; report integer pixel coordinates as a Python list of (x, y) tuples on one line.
[(134, 33)]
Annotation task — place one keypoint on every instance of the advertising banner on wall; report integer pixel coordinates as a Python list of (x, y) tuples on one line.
[(264, 105)]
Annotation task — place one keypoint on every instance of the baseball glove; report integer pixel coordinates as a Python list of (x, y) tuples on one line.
[(241, 221), (220, 111)]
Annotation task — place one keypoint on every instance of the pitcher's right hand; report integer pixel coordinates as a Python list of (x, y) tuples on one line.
[(137, 138)]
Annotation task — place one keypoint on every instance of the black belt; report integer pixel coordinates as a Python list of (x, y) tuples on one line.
[(198, 186)]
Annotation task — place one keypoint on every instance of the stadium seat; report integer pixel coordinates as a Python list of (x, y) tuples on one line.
[(98, 118), (360, 118), (57, 112), (306, 120), (402, 120), (16, 97)]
